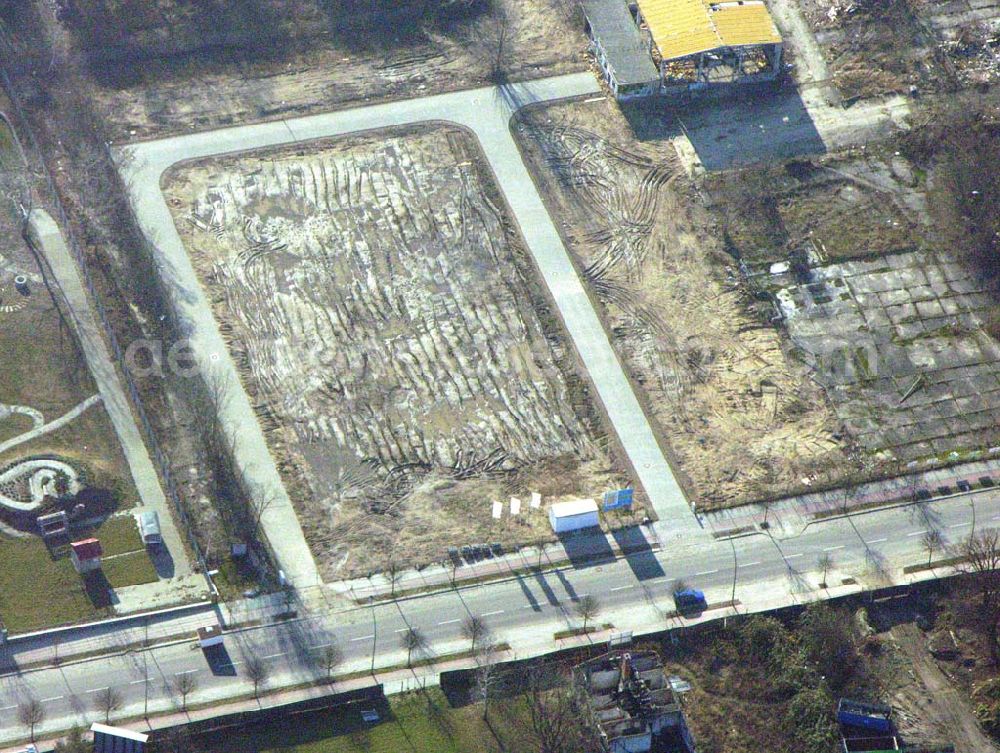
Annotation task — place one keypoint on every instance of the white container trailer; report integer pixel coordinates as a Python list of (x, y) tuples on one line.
[(574, 515), (210, 635)]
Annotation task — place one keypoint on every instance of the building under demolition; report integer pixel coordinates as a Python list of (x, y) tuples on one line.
[(663, 46), (631, 704)]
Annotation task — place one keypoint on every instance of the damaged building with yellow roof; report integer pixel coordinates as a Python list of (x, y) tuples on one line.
[(652, 47)]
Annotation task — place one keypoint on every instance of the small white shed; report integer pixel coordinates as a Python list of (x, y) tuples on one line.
[(210, 635), (573, 515)]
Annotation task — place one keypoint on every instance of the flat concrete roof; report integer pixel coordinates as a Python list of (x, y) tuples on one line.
[(574, 507), (611, 23)]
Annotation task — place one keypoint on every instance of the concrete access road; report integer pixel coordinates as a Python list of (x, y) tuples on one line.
[(487, 113), (64, 268), (525, 611)]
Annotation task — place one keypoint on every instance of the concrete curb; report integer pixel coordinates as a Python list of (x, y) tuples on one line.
[(508, 577), (863, 511), (110, 621)]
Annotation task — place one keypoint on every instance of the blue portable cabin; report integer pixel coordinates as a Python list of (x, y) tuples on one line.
[(868, 716)]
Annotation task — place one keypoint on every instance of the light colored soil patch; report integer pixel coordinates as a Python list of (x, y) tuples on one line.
[(741, 418), (392, 335)]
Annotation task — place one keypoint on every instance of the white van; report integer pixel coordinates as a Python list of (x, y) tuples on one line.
[(149, 527)]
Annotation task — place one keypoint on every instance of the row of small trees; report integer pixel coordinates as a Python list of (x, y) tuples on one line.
[(31, 711)]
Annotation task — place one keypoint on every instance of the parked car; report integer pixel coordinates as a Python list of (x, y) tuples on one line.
[(149, 528), (689, 600)]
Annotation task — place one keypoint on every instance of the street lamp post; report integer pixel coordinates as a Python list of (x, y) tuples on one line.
[(371, 600), (735, 571)]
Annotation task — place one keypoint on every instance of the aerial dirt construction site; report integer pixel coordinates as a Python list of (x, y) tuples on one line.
[(785, 329), (398, 347)]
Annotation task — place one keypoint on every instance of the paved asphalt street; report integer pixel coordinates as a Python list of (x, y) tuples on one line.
[(524, 611)]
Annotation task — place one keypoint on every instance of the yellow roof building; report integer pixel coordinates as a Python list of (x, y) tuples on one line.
[(686, 27)]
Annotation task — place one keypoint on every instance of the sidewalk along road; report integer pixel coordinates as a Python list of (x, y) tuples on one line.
[(53, 246)]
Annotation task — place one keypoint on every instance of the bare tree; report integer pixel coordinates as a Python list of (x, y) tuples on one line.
[(492, 37), (825, 564), (258, 671), (260, 502), (587, 608), (412, 639), (185, 685), (31, 713), (767, 505), (107, 701), (288, 591), (932, 541), (553, 720), (329, 659), (393, 571), (488, 677), (475, 629), (981, 555)]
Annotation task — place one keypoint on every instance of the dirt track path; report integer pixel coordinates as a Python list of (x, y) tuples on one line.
[(944, 714)]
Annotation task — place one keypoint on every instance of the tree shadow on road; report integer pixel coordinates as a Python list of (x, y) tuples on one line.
[(638, 553)]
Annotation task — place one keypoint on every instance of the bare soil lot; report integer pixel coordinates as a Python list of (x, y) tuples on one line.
[(330, 66), (936, 668), (741, 417), (395, 340), (881, 46)]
